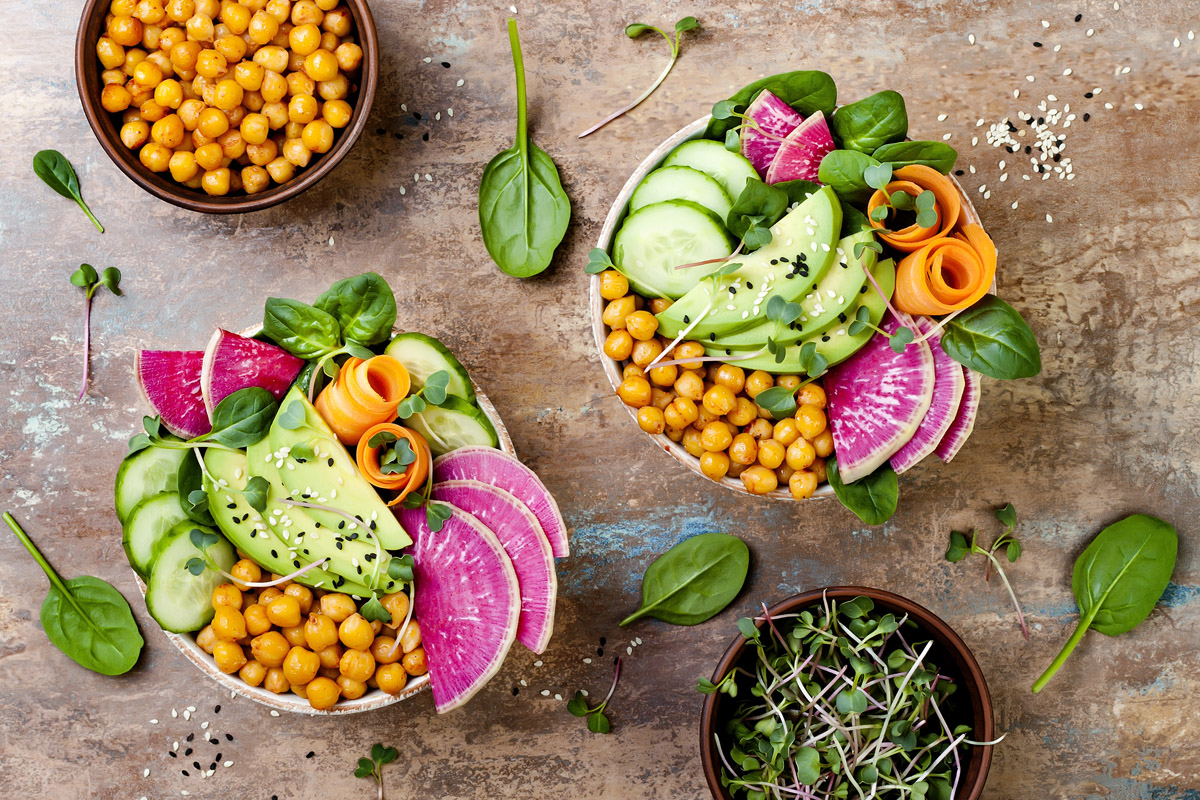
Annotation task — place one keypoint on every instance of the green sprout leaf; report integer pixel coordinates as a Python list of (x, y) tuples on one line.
[(401, 569), (598, 261), (598, 723), (878, 176), (373, 610), (901, 338), (577, 705)]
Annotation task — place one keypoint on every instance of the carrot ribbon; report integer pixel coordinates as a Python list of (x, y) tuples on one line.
[(946, 274), (365, 393), (913, 180), (369, 465)]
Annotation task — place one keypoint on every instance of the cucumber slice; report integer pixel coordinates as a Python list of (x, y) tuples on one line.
[(452, 425), (147, 526), (681, 183), (424, 355), (657, 238), (145, 474), (728, 169), (179, 601)]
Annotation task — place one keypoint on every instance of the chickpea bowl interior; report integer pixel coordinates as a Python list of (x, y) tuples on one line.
[(226, 106)]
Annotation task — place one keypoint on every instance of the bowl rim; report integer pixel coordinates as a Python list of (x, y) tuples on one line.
[(612, 368), (290, 701), (107, 134), (963, 659)]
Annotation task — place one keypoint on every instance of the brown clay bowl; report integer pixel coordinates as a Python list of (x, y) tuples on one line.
[(87, 81), (948, 650)]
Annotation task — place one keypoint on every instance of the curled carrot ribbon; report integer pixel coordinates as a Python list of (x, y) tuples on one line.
[(947, 274), (369, 465), (913, 180), (365, 393)]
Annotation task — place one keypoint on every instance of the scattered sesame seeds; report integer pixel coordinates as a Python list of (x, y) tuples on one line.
[(460, 82), (1177, 42), (1067, 71), (153, 722), (971, 38), (1045, 24), (545, 692), (537, 663), (945, 136), (1138, 106), (558, 697), (941, 117), (1091, 32), (274, 713), (1049, 218), (146, 772)]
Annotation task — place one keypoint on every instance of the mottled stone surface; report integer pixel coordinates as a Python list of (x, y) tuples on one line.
[(1109, 428)]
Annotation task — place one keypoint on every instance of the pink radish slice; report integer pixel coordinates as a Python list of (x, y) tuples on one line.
[(489, 465), (233, 362), (775, 117), (948, 386), (964, 420), (800, 158), (467, 602), (170, 382), (527, 547)]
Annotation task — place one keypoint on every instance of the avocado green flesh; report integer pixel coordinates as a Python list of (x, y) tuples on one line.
[(331, 477), (809, 230), (835, 342), (832, 295)]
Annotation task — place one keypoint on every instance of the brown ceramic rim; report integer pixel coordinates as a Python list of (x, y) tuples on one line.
[(980, 758), (289, 701), (612, 368), (87, 81)]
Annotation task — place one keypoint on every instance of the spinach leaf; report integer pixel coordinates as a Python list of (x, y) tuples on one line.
[(57, 173), (756, 209), (843, 170), (870, 123), (363, 306), (86, 618), (992, 338), (242, 419), (797, 190), (853, 221), (1118, 579), (189, 483), (938, 155), (300, 329), (694, 580), (873, 499), (523, 208), (807, 91)]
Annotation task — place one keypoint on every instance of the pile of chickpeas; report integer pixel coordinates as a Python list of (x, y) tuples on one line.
[(309, 642), (228, 95), (710, 409)]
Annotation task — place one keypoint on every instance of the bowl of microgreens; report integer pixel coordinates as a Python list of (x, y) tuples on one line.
[(846, 692)]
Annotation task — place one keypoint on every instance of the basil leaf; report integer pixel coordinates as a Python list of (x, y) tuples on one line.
[(523, 209), (302, 330), (56, 172), (190, 479), (363, 306), (842, 171), (243, 418), (870, 123), (694, 580), (807, 91), (873, 499), (938, 155), (992, 338)]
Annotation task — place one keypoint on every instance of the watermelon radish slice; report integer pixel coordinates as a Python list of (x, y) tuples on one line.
[(800, 159), (489, 465), (468, 603), (964, 420), (527, 547), (877, 399), (774, 116), (233, 362), (170, 382), (948, 385)]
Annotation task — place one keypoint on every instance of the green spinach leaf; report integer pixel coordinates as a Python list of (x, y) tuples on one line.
[(807, 91), (1118, 579), (756, 209), (523, 208), (992, 338), (302, 330), (843, 170), (870, 123), (56, 172), (189, 483), (86, 618), (938, 155), (242, 419), (363, 306), (694, 580), (873, 499)]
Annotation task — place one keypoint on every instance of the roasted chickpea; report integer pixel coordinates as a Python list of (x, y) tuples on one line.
[(760, 429), (229, 657), (716, 437), (281, 170), (295, 151), (257, 622), (168, 132), (349, 56), (151, 111), (200, 28), (262, 28), (292, 130), (319, 632), (338, 21), (306, 12), (262, 154), (336, 113), (300, 666), (232, 47), (125, 30), (272, 58), (634, 392), (692, 442), (236, 17), (122, 7), (823, 443), (271, 592), (414, 662), (357, 664), (226, 594), (351, 689), (284, 611), (391, 678), (303, 595), (206, 639), (705, 417), (819, 468), (180, 10), (743, 413), (281, 10), (786, 431), (811, 421), (111, 54), (253, 673), (811, 395), (618, 345), (681, 412), (645, 352), (613, 285), (396, 604), (147, 74), (294, 635), (113, 76), (254, 179), (650, 419), (686, 350), (689, 384), (410, 638), (168, 39), (714, 465), (758, 382), (302, 108), (788, 381), (169, 93), (664, 376), (276, 114), (255, 129), (318, 136), (632, 371), (300, 84), (802, 484), (209, 157), (617, 311), (743, 449), (275, 682), (759, 480), (355, 632), (304, 39), (800, 454), (642, 325), (116, 97), (331, 656), (385, 650), (133, 57), (154, 157), (730, 376), (720, 400), (771, 453), (213, 122)]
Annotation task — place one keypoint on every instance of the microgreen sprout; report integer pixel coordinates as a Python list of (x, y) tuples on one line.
[(432, 393), (86, 278), (393, 459), (878, 176), (599, 261), (961, 547), (436, 514), (597, 722), (633, 31), (373, 767)]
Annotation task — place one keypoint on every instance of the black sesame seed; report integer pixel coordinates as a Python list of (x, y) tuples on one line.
[(416, 115), (399, 135), (446, 64), (425, 136), (863, 290), (732, 290), (231, 505), (1087, 94), (310, 754), (187, 752), (774, 261), (712, 337), (341, 524), (274, 554), (1041, 120), (191, 736), (603, 641), (218, 758), (1086, 117), (728, 352), (229, 737), (213, 765), (214, 741), (789, 276), (217, 710), (841, 317), (330, 462), (600, 651), (196, 764), (185, 773), (295, 563), (1028, 149), (824, 338), (1037, 44), (380, 131), (338, 543), (172, 755), (516, 691), (958, 172), (1077, 18), (686, 319)]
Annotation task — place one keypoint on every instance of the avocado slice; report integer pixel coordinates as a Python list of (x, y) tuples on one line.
[(799, 254), (829, 299), (835, 342), (313, 465)]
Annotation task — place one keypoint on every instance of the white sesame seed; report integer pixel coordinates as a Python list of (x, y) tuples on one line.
[(983, 188), (558, 697), (1004, 177), (523, 683), (1016, 92), (450, 112), (1057, 47), (1191, 36), (545, 692), (628, 651), (403, 190), (1051, 98), (637, 640), (175, 746), (1049, 218), (972, 169), (1116, 6), (187, 715), (274, 713), (1029, 78), (537, 663), (174, 713), (941, 117), (460, 82), (971, 38), (204, 726), (583, 692), (512, 9), (946, 136), (1176, 42), (427, 59), (227, 764), (587, 661), (1067, 71), (974, 141), (1091, 31), (1138, 106), (1125, 71), (1108, 106), (428, 177), (153, 722), (1014, 205), (987, 195), (404, 107), (1045, 24), (438, 116), (146, 772)]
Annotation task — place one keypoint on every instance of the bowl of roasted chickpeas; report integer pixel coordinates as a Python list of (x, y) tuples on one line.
[(703, 412), (226, 106)]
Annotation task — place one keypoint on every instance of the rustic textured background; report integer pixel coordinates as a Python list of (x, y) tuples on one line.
[(1110, 426)]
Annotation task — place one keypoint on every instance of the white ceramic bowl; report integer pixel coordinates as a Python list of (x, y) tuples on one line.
[(612, 368), (289, 701)]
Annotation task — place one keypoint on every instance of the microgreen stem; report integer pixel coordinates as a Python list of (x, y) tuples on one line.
[(737, 251), (613, 688), (1016, 605), (682, 335), (938, 326), (658, 82), (88, 211), (706, 359), (887, 300), (87, 332), (284, 579)]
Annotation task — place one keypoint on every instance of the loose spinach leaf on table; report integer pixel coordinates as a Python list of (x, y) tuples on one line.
[(301, 329), (523, 208), (870, 123), (363, 306), (843, 170), (56, 172), (873, 499), (807, 91), (85, 617), (1118, 579), (992, 338), (938, 155), (694, 580)]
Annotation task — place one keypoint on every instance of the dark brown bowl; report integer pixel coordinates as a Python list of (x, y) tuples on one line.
[(87, 80), (947, 646)]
